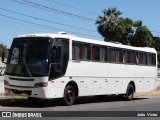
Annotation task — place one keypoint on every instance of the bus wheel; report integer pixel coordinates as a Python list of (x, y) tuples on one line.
[(69, 96), (129, 93)]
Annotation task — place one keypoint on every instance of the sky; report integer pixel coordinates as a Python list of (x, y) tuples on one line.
[(75, 17)]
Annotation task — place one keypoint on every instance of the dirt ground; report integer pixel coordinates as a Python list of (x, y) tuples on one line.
[(152, 93)]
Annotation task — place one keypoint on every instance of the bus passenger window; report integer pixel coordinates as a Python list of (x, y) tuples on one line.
[(119, 55), (103, 54), (85, 52), (142, 58), (130, 57), (112, 55), (81, 51), (76, 51), (151, 59), (95, 53)]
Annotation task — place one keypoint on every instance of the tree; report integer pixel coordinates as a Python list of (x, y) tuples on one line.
[(142, 36), (156, 45), (124, 30), (3, 48), (107, 23)]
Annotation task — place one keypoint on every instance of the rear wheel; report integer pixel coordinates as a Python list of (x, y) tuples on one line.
[(129, 93), (69, 96)]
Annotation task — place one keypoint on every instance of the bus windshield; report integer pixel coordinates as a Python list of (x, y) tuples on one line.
[(29, 57)]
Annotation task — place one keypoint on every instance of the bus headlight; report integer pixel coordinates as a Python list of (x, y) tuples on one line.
[(6, 82), (42, 84)]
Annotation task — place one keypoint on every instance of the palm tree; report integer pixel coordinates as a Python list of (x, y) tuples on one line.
[(107, 23)]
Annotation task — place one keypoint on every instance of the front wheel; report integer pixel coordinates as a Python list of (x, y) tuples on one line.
[(129, 93), (69, 96)]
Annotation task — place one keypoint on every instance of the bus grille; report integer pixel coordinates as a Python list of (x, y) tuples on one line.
[(27, 92)]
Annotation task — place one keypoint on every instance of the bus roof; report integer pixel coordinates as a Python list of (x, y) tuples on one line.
[(86, 40)]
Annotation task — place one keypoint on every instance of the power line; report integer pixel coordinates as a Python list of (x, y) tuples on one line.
[(37, 18), (9, 21), (72, 7), (54, 10), (155, 31), (44, 26)]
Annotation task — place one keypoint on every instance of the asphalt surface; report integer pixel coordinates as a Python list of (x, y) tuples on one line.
[(102, 103), (88, 108)]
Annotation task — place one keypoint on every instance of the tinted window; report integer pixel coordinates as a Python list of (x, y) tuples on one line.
[(81, 51), (142, 58), (119, 55), (115, 55), (95, 53), (103, 54), (151, 59), (130, 57), (112, 54)]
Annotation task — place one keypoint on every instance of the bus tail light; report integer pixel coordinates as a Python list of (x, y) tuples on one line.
[(42, 84)]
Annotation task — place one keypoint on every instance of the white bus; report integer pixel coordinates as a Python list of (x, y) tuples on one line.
[(45, 66)]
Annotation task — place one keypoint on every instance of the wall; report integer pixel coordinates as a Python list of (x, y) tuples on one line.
[(2, 68)]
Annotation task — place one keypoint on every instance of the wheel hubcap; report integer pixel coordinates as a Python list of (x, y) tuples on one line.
[(70, 95)]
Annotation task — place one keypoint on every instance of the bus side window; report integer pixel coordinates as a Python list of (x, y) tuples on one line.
[(75, 51), (142, 58), (119, 55), (112, 54), (95, 53), (85, 51), (151, 59), (103, 54), (130, 57), (81, 51)]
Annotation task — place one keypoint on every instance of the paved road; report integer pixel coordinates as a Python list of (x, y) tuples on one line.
[(111, 103), (87, 104)]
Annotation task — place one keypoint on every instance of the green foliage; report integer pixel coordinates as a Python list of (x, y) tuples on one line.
[(107, 23), (115, 28), (124, 31), (156, 45), (137, 23), (3, 48), (142, 37)]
